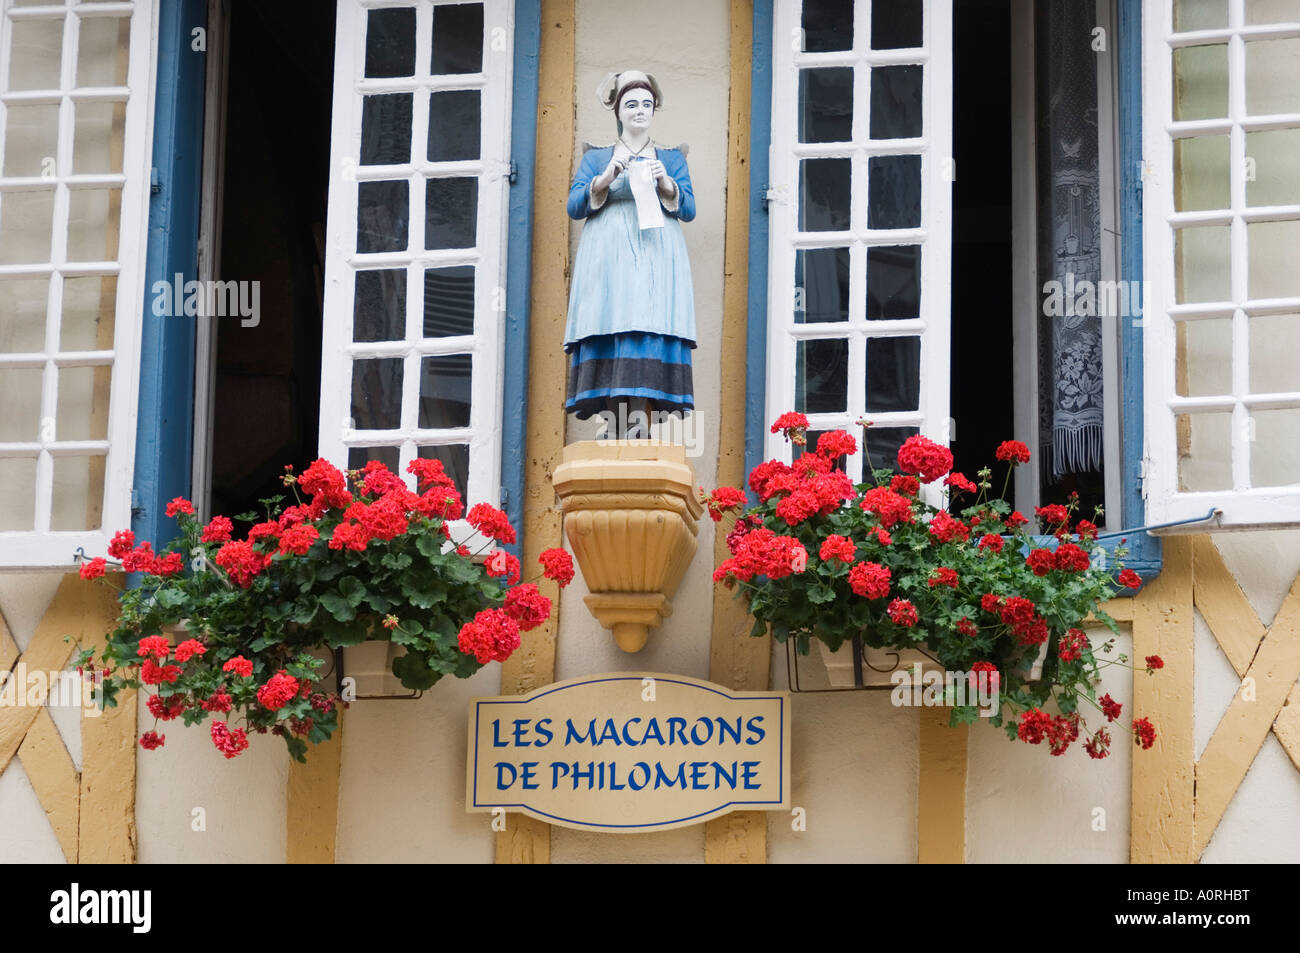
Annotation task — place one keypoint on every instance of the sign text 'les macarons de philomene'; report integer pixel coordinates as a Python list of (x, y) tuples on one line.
[(629, 752)]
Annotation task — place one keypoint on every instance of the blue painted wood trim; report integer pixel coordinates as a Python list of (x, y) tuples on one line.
[(1144, 550), (760, 139), (164, 428), (519, 261)]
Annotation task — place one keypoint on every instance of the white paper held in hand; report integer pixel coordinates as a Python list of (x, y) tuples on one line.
[(649, 214)]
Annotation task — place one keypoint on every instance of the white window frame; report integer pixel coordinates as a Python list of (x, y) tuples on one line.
[(342, 261), (43, 548), (1243, 505), (934, 234)]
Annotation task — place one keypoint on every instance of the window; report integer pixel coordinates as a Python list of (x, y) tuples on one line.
[(904, 285), (1222, 250), (74, 168), (860, 220), (412, 349)]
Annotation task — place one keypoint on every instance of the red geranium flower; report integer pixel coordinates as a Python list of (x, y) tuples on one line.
[(1040, 561), (922, 456), (1071, 646), (1109, 707), (903, 613), (943, 576), (1130, 579), (966, 627), (180, 505), (527, 606), (218, 530), (837, 547), (122, 543), (278, 691), (905, 485), (1144, 733), (151, 740), (557, 564), (722, 499), (492, 636), (835, 444), (870, 580), (492, 522), (93, 568), (991, 541), (188, 649), (1071, 558), (959, 482), (239, 665), (228, 741), (1013, 452), (1155, 661), (793, 425)]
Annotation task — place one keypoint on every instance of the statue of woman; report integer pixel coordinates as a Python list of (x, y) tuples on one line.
[(631, 324)]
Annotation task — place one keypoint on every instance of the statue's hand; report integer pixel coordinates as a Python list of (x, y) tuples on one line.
[(606, 178), (660, 175)]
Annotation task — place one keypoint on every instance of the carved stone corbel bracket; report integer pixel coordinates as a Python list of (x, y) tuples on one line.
[(630, 515)]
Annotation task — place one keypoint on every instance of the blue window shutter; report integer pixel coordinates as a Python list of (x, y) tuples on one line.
[(760, 137), (519, 262), (164, 428)]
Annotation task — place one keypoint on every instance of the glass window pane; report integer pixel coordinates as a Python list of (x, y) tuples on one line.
[(821, 284), (1204, 452), (894, 192), (1203, 361), (386, 129), (455, 463), (881, 446), (377, 394), (78, 502), (448, 301), (23, 305), (451, 213), (893, 374), (383, 216), (102, 45), (379, 305), (1202, 264), (18, 502), (31, 137), (454, 121), (1273, 11), (896, 25), (1272, 270), (98, 136), (83, 403), (390, 42), (36, 53), (93, 224), (1274, 343), (827, 25), (1201, 82), (89, 307), (824, 194), (390, 457), (28, 219), (893, 282), (821, 376), (1201, 174), (445, 381), (826, 105), (1274, 451), (1200, 15), (20, 396), (457, 38), (1272, 67), (896, 102), (1270, 167)]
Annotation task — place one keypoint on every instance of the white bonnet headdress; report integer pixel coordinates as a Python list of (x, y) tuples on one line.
[(614, 83)]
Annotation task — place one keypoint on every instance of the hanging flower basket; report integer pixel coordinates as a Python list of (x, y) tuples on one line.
[(355, 558), (1000, 609)]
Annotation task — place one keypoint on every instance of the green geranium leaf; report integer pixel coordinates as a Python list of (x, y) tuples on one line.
[(414, 672), (338, 607)]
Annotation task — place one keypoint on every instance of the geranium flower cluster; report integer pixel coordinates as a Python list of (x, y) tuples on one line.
[(366, 553), (897, 562)]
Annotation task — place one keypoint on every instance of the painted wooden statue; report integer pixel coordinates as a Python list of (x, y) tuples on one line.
[(631, 324)]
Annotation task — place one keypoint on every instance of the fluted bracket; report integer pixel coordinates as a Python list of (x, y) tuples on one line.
[(630, 515)]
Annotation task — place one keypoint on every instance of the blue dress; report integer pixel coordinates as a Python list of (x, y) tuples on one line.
[(631, 322)]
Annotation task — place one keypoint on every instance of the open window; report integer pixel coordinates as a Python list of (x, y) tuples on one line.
[(74, 189), (374, 218), (937, 171)]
